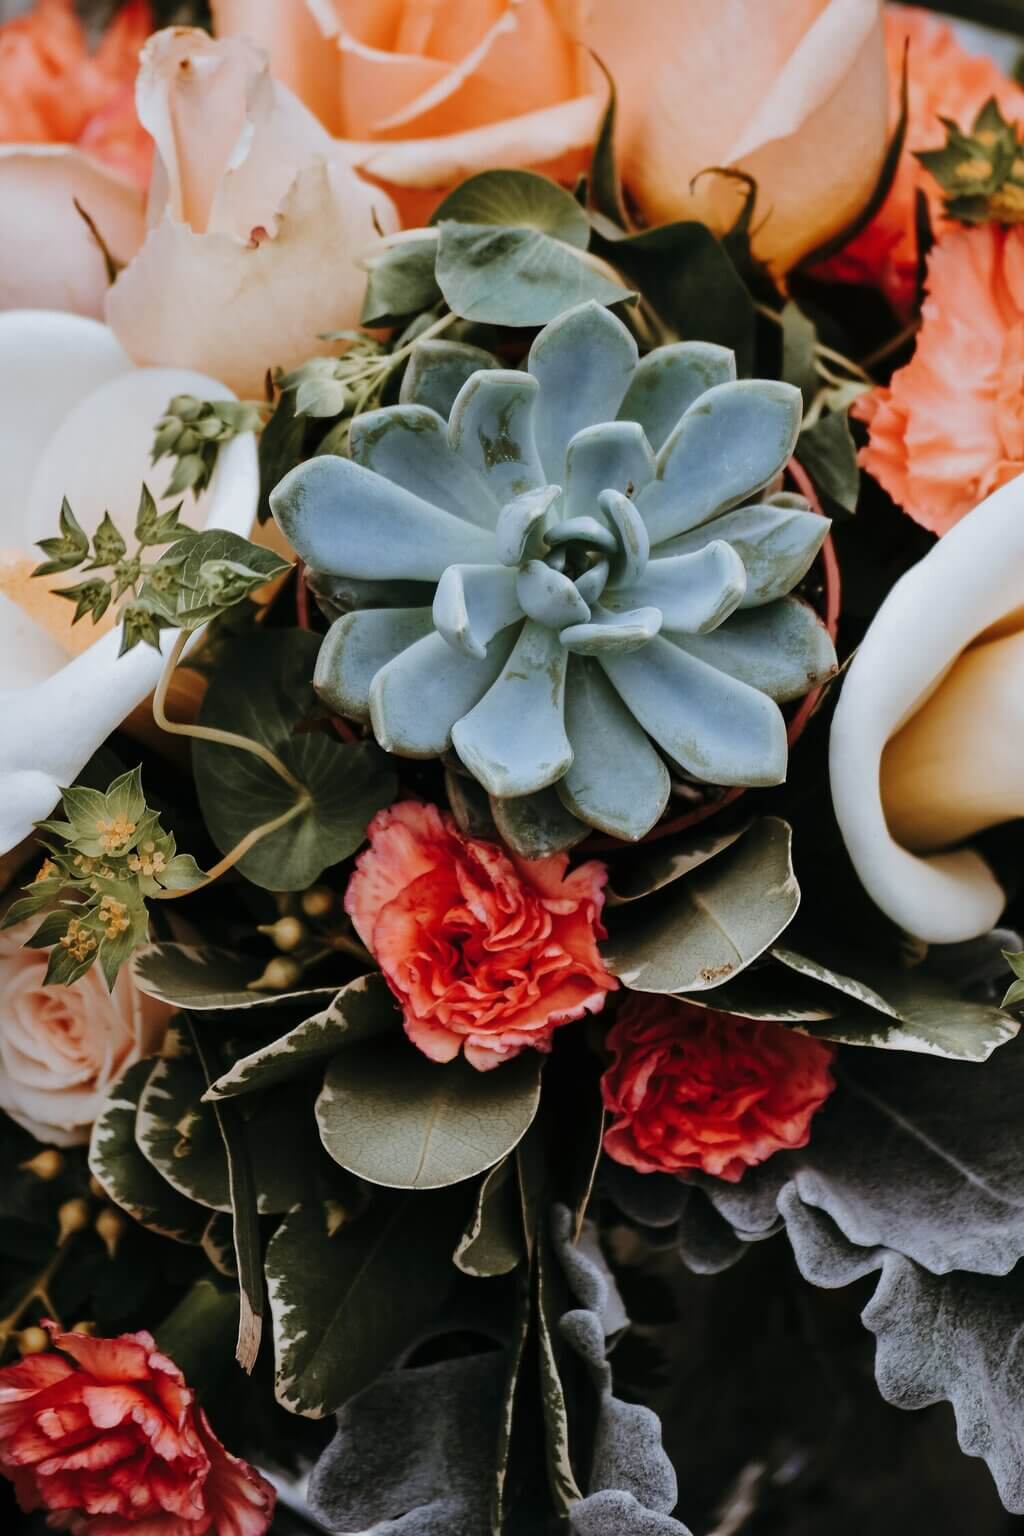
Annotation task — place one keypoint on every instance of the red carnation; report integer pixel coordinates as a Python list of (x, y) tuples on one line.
[(485, 952), (111, 1442), (692, 1088)]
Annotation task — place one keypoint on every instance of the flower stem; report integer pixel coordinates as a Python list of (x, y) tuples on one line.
[(37, 1290), (240, 849), (210, 733)]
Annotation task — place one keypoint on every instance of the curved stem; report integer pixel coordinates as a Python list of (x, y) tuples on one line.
[(240, 850), (209, 733), (37, 1290)]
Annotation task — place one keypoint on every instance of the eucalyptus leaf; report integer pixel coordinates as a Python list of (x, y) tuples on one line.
[(517, 199), (711, 926), (390, 1115), (669, 859), (344, 1307), (400, 281), (262, 690), (363, 1010), (517, 277)]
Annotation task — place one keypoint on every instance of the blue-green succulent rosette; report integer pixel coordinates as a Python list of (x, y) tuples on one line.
[(577, 576)]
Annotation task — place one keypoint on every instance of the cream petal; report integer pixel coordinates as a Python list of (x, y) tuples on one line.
[(970, 580), (301, 56), (97, 456), (49, 361), (49, 259), (232, 308)]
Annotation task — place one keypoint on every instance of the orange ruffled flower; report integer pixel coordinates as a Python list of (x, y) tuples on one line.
[(944, 80), (54, 91), (949, 429)]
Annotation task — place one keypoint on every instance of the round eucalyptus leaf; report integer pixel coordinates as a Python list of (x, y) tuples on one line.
[(520, 199), (390, 1115)]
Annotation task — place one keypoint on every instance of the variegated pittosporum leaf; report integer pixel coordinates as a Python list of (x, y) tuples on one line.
[(599, 591)]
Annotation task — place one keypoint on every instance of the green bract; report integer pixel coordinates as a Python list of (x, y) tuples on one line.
[(562, 580)]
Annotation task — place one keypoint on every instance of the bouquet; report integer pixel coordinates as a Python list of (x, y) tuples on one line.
[(509, 788)]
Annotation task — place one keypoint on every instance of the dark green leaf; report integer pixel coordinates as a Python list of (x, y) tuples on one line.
[(605, 185), (828, 453), (263, 690), (188, 977), (345, 1307), (400, 281), (390, 1115), (492, 1243)]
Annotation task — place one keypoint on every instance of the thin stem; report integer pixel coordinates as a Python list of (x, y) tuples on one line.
[(209, 733), (841, 361), (37, 1290), (894, 343), (240, 850)]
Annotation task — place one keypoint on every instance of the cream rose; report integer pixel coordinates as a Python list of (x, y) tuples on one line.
[(429, 93), (795, 92), (927, 735), (257, 220), (61, 1048)]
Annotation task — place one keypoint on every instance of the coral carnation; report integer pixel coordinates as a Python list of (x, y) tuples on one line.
[(943, 80), (108, 1439), (54, 91), (485, 952), (949, 429), (692, 1088)]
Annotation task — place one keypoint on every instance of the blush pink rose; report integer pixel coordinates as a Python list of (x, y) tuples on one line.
[(61, 1048), (108, 1439), (949, 427), (692, 1088), (487, 953), (430, 91)]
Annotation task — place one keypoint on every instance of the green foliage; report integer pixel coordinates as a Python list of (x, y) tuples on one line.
[(199, 577), (1015, 992), (981, 171), (192, 433), (105, 859), (262, 690)]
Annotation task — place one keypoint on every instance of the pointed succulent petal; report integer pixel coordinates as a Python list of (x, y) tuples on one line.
[(714, 727), (514, 741), (583, 362), (617, 632), (356, 647), (473, 603), (408, 444), (437, 370), (491, 428), (416, 699), (522, 523), (777, 545), (617, 782), (614, 456), (731, 442), (783, 649), (694, 593), (631, 534), (342, 518), (667, 382), (536, 826), (591, 583), (549, 597)]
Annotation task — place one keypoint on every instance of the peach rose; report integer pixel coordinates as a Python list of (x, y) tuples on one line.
[(107, 1437), (692, 1088), (486, 952), (68, 131), (943, 80), (793, 93), (61, 1048), (949, 428), (256, 219), (435, 89)]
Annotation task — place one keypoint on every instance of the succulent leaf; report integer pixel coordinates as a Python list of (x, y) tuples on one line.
[(566, 582)]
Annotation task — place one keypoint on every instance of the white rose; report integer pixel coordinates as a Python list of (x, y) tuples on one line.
[(61, 1048)]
